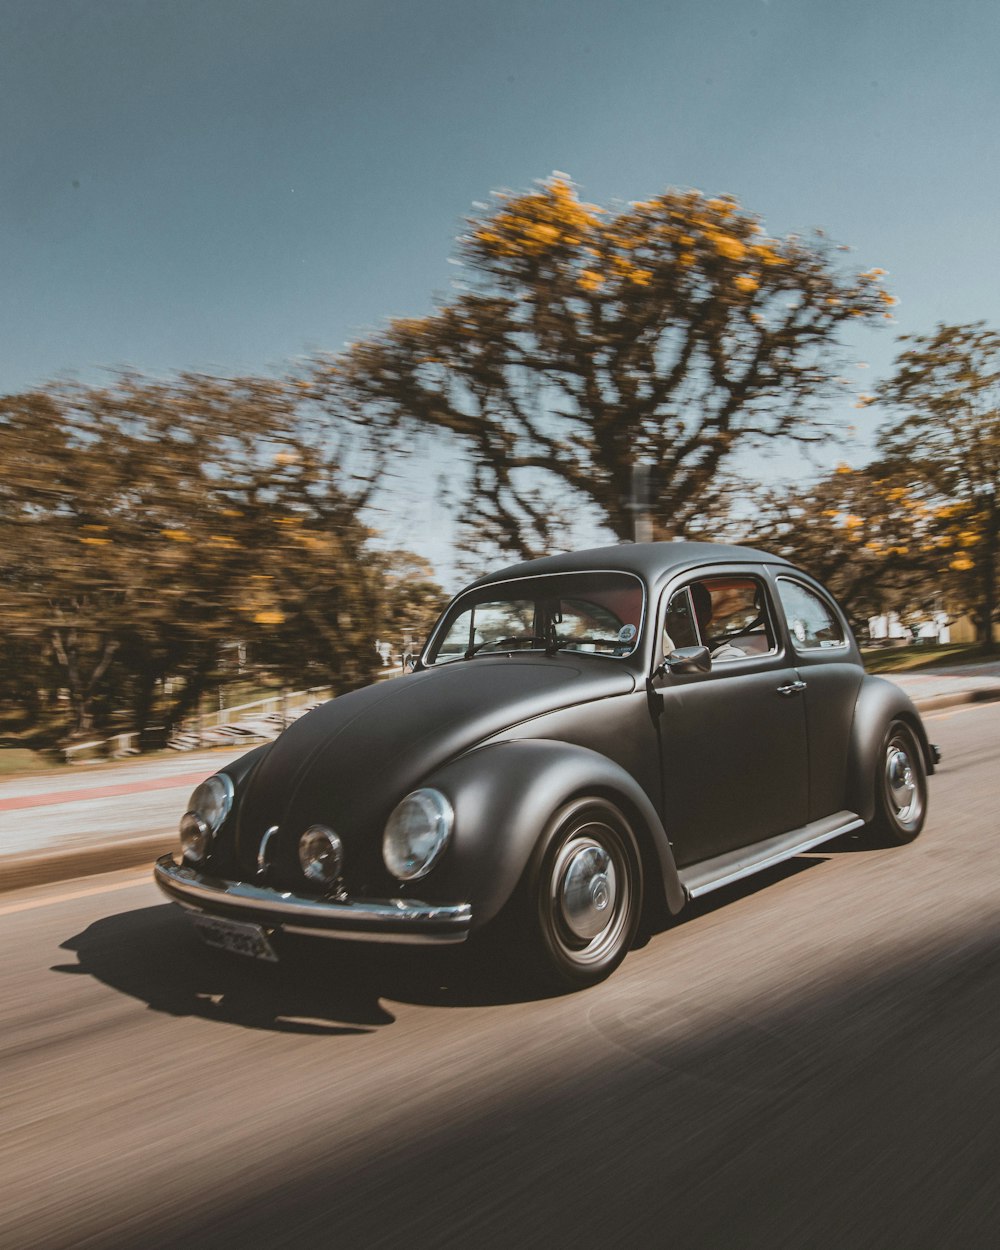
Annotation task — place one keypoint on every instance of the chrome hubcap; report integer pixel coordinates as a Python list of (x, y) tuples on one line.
[(585, 889), (902, 784)]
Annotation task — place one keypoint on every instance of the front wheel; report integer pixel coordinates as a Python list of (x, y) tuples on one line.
[(900, 788), (583, 895)]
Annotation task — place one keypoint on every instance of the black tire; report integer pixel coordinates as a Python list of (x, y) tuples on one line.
[(582, 895), (900, 788)]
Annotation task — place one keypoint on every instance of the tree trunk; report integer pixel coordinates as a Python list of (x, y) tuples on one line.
[(82, 690)]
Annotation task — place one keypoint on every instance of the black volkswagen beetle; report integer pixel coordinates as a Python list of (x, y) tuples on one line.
[(587, 742)]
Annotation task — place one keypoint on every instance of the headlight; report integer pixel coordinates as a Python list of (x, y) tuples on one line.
[(416, 834), (207, 808), (321, 854)]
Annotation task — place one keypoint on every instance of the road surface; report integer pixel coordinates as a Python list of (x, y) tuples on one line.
[(808, 1060)]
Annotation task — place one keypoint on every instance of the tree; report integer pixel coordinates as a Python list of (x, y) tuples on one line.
[(587, 343), (877, 540), (413, 599), (946, 440), (147, 527)]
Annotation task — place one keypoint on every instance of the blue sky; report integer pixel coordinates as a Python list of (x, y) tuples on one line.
[(228, 184)]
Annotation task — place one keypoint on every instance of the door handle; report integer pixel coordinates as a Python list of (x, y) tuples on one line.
[(794, 687)]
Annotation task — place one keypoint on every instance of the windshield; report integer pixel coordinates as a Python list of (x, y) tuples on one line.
[(597, 613)]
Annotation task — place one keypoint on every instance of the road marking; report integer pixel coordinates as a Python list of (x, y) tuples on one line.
[(31, 904)]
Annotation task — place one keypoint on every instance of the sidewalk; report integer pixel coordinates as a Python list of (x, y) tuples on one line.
[(948, 687), (74, 823), (79, 821)]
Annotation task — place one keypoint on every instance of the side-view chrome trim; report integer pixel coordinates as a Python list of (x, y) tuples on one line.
[(713, 874), (373, 920)]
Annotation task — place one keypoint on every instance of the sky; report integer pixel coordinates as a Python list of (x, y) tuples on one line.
[(227, 185)]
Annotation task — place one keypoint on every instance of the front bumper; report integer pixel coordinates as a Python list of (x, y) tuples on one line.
[(370, 920)]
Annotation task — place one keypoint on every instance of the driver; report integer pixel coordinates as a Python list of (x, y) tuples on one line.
[(701, 597)]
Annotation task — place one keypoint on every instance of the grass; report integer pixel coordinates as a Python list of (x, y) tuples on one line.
[(911, 659), (15, 761)]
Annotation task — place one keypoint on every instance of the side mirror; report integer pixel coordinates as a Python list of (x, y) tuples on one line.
[(413, 663), (689, 660)]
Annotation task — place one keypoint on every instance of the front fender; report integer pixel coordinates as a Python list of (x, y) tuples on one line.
[(879, 703), (238, 770), (505, 794), (241, 768)]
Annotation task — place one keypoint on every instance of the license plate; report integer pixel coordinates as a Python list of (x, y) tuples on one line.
[(235, 936)]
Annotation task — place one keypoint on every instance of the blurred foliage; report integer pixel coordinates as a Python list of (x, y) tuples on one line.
[(161, 536), (413, 600), (945, 440), (869, 534), (917, 530), (585, 342)]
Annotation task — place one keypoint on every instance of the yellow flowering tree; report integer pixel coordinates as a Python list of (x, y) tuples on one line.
[(877, 539), (150, 531), (586, 343), (944, 438)]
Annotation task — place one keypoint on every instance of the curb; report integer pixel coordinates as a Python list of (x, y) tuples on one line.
[(48, 867), (934, 703)]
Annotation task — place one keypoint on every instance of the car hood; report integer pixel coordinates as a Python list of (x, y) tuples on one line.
[(348, 762)]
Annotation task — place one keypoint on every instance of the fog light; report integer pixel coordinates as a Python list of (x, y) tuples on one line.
[(195, 835), (321, 854)]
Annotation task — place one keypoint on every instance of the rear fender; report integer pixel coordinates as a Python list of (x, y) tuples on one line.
[(504, 796), (879, 703)]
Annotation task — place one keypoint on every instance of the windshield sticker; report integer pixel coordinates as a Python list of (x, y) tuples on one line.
[(627, 633)]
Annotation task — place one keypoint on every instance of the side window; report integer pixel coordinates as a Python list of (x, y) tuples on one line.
[(729, 615), (679, 627), (812, 622)]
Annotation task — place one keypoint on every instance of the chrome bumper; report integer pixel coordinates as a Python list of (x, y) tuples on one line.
[(373, 920)]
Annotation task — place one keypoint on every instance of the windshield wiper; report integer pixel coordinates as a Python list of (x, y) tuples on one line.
[(504, 644)]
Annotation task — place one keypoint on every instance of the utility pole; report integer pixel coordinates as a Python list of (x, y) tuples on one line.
[(642, 487)]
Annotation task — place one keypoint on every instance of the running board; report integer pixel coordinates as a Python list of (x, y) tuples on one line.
[(712, 874)]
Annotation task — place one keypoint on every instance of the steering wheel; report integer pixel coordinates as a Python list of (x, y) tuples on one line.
[(740, 633)]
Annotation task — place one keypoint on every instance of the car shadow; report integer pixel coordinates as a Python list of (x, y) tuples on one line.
[(153, 954), (846, 844), (746, 887)]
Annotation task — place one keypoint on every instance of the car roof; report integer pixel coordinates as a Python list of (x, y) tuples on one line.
[(650, 561)]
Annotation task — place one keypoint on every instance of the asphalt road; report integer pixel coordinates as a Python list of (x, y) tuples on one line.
[(810, 1060)]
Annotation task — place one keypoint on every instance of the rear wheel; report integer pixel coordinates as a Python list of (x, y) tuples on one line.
[(583, 896), (900, 788)]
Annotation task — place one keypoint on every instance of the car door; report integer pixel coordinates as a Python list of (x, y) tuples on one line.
[(732, 740), (829, 665)]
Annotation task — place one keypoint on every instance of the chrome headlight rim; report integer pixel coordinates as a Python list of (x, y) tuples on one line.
[(208, 807), (410, 849), (195, 838), (321, 867)]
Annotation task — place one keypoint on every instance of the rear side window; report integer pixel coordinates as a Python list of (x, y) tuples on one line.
[(812, 622)]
